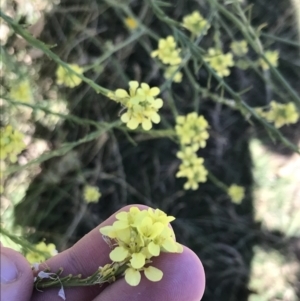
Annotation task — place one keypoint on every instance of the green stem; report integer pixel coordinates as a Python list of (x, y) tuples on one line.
[(217, 182), (98, 278), (254, 41), (282, 40)]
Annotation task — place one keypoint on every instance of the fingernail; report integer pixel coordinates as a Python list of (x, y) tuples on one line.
[(9, 271)]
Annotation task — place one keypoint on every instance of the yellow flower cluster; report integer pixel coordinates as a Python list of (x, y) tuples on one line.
[(236, 193), (21, 91), (43, 252), (192, 133), (195, 23), (91, 194), (169, 73), (280, 114), (11, 144), (219, 61), (141, 104), (67, 78), (191, 168), (131, 23), (138, 236), (239, 48), (167, 51), (192, 130), (272, 57)]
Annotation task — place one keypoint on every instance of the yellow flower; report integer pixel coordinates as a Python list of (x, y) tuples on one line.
[(236, 193), (239, 48), (11, 144), (195, 23), (141, 104), (169, 73), (66, 78), (188, 154), (137, 236), (167, 51), (219, 61), (195, 172), (192, 129), (282, 114), (21, 91), (91, 194), (272, 57), (44, 252), (131, 23)]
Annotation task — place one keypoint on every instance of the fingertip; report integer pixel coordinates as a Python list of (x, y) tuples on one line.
[(16, 276), (183, 279), (184, 276)]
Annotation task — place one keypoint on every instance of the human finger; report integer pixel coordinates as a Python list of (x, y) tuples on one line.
[(16, 276), (84, 258)]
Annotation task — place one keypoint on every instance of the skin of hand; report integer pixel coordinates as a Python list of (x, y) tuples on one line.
[(183, 279)]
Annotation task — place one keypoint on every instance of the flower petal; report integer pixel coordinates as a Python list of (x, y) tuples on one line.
[(157, 103), (154, 91), (169, 245), (153, 274), (125, 117), (121, 93), (120, 225), (118, 254), (133, 123), (155, 118), (133, 84), (145, 87), (107, 231), (122, 216), (137, 260), (146, 124), (132, 277), (153, 249)]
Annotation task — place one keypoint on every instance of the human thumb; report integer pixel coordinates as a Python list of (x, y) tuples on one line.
[(16, 276)]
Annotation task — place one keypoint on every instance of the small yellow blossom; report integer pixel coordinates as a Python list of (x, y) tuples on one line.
[(272, 57), (21, 91), (219, 61), (167, 51), (236, 193), (195, 23), (67, 78), (191, 168), (44, 251), (131, 23), (192, 129), (141, 104), (282, 114), (91, 194), (169, 73), (11, 143), (138, 235), (239, 48), (192, 133)]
